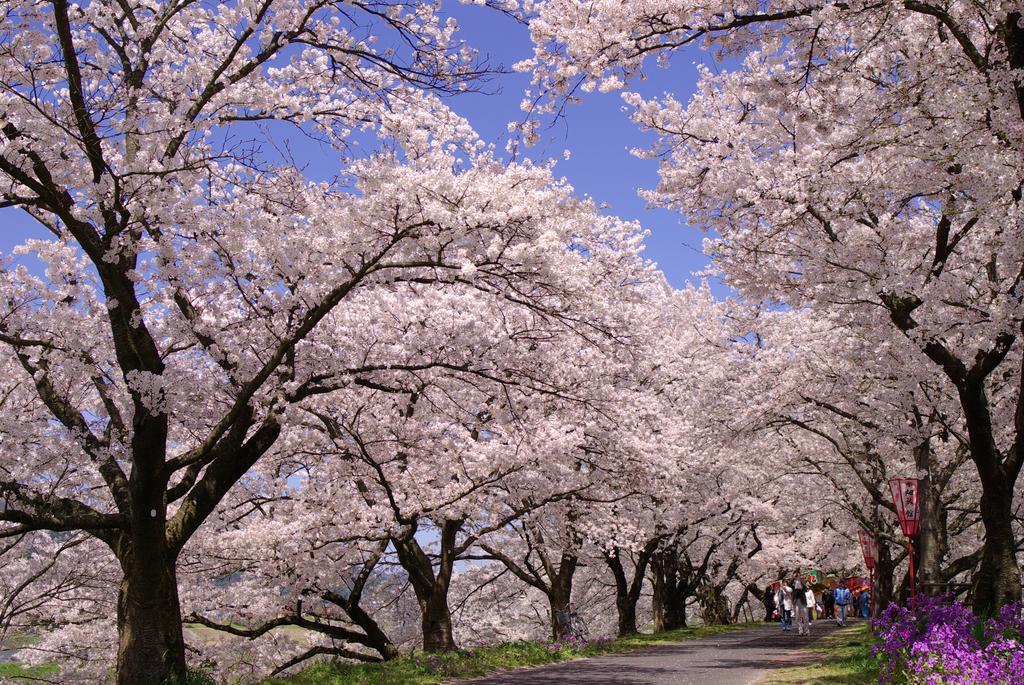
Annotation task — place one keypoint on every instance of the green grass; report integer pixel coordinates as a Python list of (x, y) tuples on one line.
[(15, 670), (842, 658), (419, 669)]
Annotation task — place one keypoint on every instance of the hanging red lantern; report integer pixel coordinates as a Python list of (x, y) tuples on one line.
[(908, 504), (906, 497), (869, 548)]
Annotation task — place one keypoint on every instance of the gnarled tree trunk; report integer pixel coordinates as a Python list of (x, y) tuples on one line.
[(436, 621), (151, 647), (559, 595), (626, 610), (884, 577), (668, 601), (931, 543), (627, 592), (997, 581), (931, 540), (431, 587), (377, 639), (714, 605), (554, 580)]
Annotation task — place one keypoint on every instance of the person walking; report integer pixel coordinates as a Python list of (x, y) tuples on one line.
[(784, 598), (828, 603), (811, 606), (800, 608), (842, 599), (769, 604)]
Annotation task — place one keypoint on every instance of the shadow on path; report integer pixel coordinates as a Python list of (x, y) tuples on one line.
[(738, 658)]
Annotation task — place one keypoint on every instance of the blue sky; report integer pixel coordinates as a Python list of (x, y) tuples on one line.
[(598, 133)]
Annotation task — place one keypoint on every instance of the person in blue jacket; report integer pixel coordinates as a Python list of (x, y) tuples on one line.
[(842, 598)]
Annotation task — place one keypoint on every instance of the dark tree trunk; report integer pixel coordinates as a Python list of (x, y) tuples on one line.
[(669, 602), (714, 605), (749, 590), (623, 606), (437, 622), (1013, 37), (931, 543), (311, 620), (151, 648), (431, 588), (559, 595), (901, 581), (555, 581), (377, 639), (884, 572), (627, 616), (968, 563), (627, 593), (931, 540), (997, 581), (559, 587), (669, 610)]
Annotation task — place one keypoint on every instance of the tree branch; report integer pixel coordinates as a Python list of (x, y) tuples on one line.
[(86, 127)]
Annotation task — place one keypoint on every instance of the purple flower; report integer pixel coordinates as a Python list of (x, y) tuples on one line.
[(939, 641)]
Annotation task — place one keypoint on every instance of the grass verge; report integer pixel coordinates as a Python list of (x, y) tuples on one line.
[(843, 658), (422, 669), (16, 670)]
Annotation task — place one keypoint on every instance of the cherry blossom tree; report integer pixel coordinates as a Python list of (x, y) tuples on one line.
[(43, 571), (311, 373), (491, 606), (544, 552), (629, 570), (197, 286), (828, 392), (439, 444), (281, 576), (861, 159)]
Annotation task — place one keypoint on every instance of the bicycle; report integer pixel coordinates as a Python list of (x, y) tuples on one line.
[(571, 624)]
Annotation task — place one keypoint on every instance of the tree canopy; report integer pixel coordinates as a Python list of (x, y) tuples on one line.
[(250, 418)]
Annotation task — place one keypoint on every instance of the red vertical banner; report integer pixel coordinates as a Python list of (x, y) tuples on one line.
[(869, 548), (906, 497)]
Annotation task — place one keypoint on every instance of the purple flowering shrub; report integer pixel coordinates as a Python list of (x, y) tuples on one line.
[(572, 643), (444, 663), (938, 641)]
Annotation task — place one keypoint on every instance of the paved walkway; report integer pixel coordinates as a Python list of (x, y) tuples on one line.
[(739, 658)]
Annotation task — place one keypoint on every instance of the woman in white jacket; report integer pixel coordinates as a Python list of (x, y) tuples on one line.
[(784, 598)]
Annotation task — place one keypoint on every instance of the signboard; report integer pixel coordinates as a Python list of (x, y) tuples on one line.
[(811, 578)]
